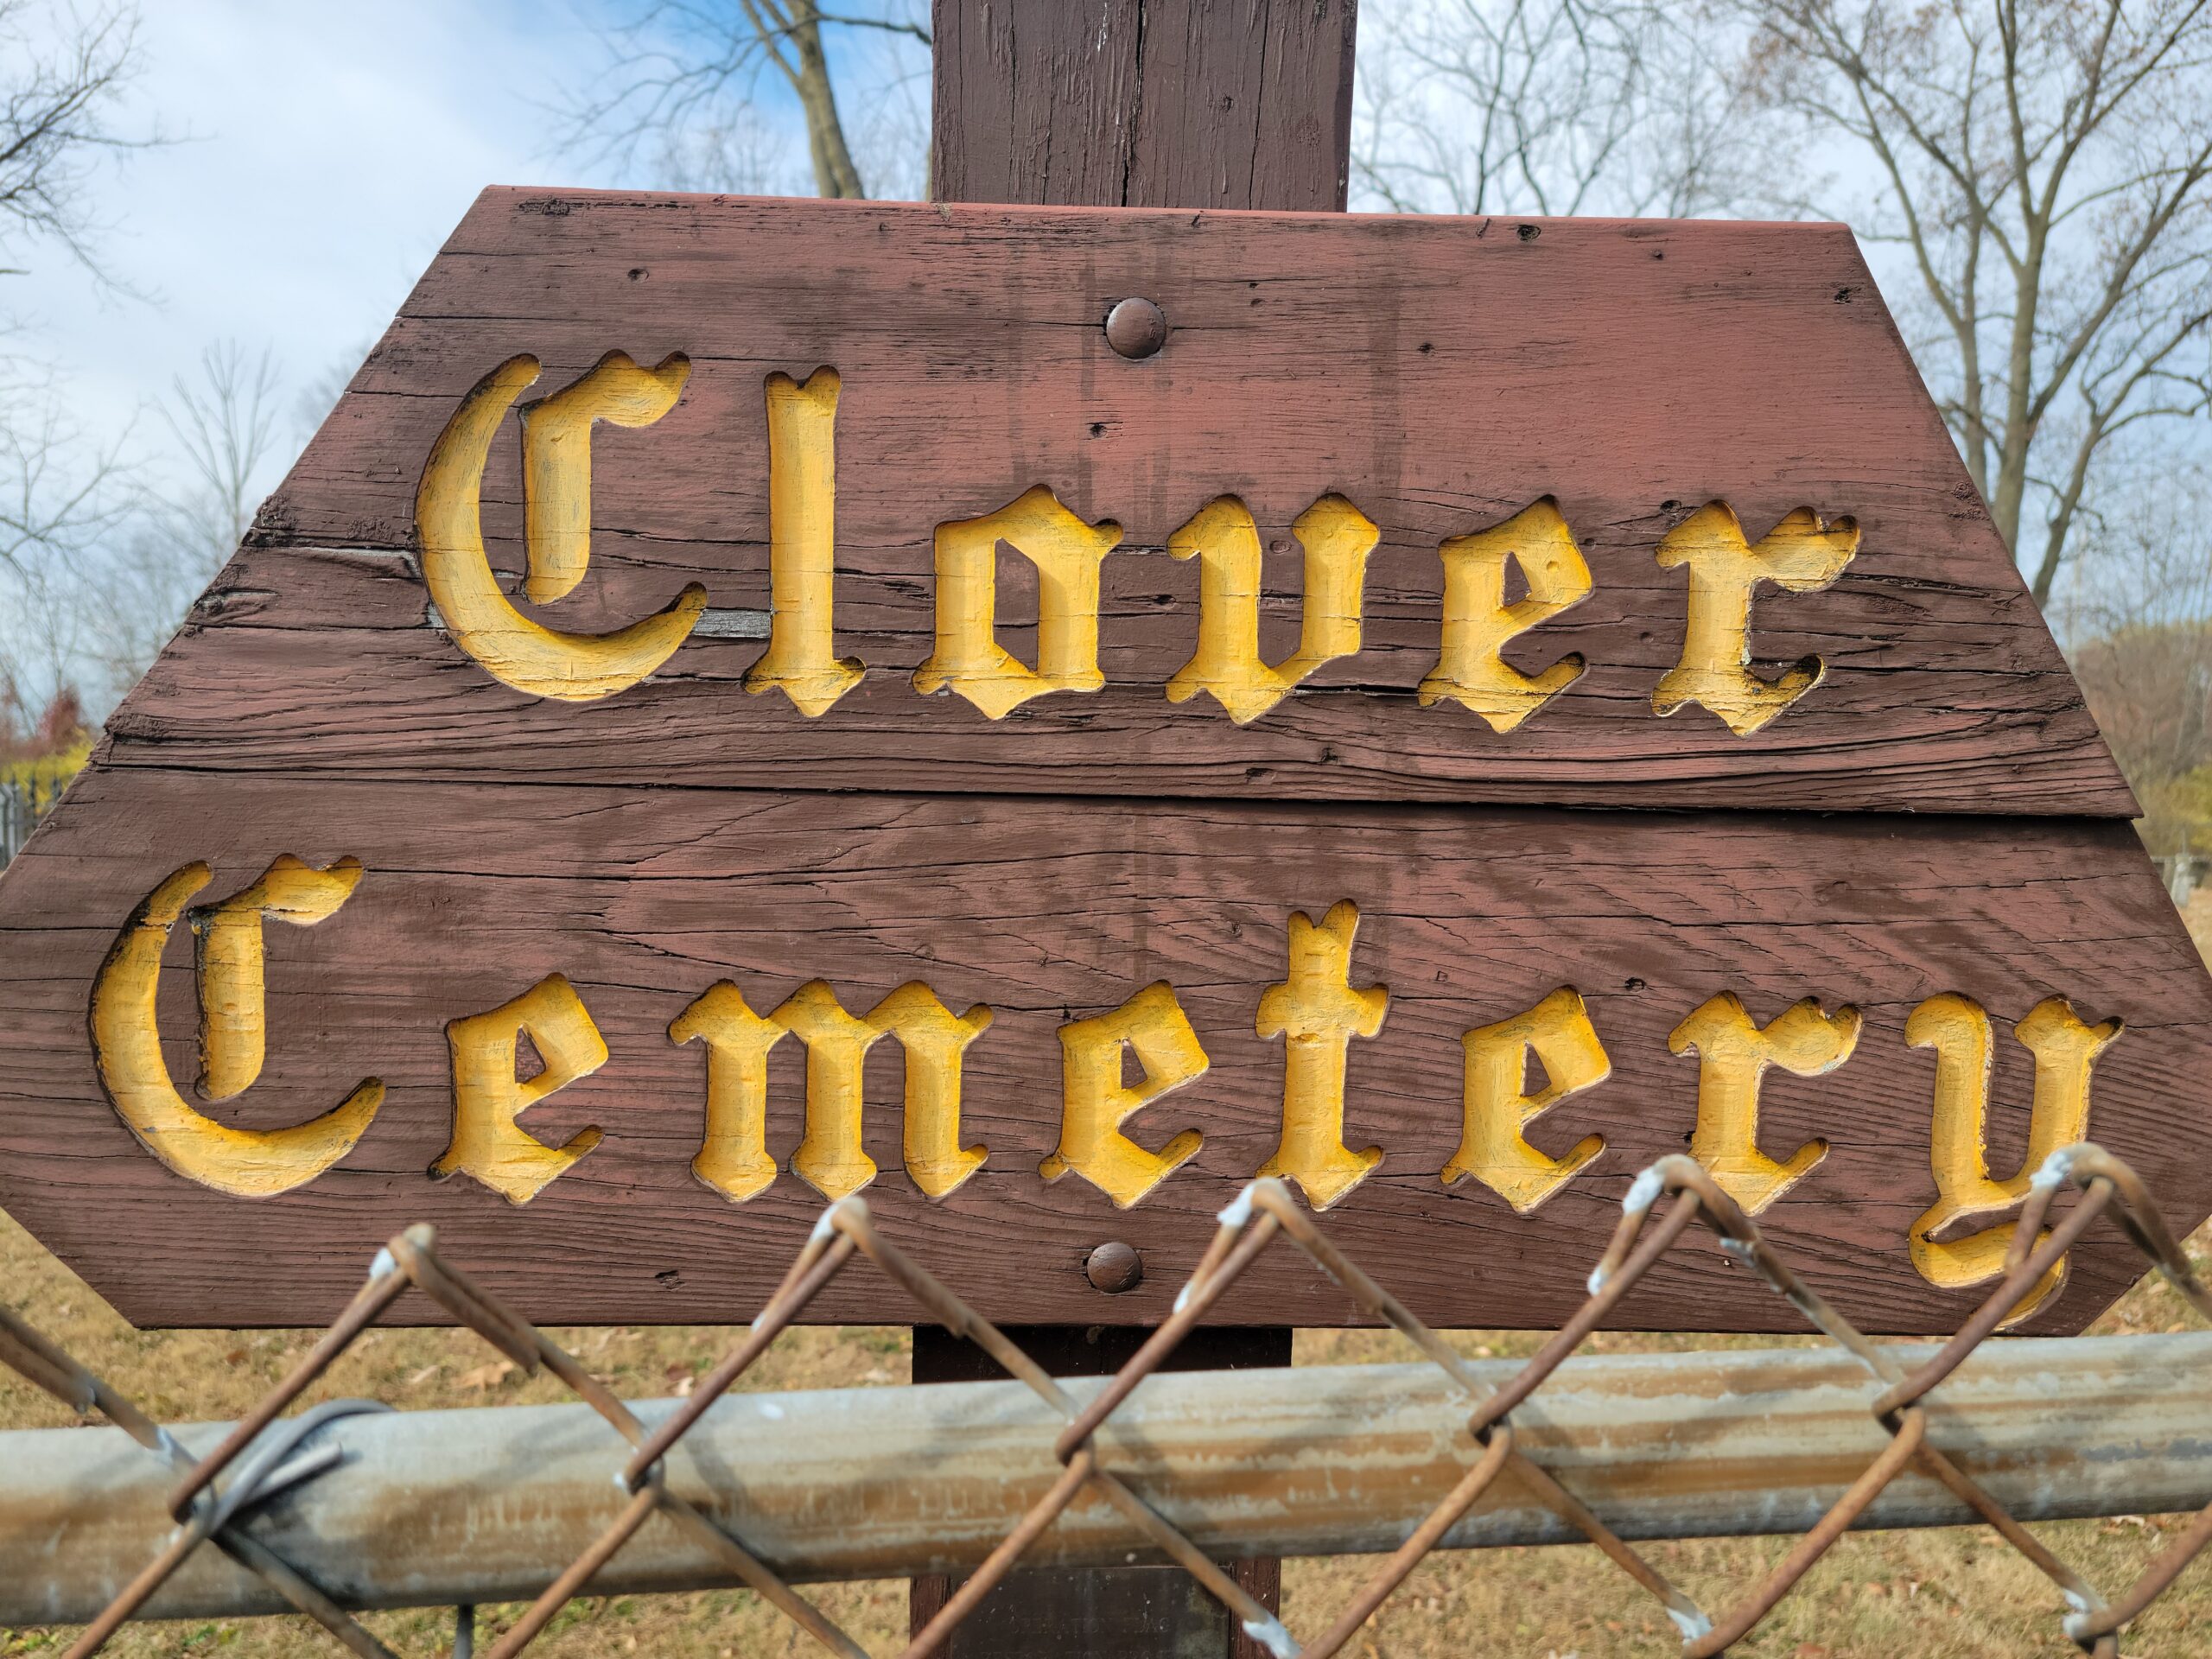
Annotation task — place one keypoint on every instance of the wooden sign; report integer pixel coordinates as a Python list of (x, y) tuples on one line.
[(745, 702)]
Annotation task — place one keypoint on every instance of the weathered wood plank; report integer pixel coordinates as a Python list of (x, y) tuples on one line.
[(1441, 374), (1144, 103), (1136, 103), (1049, 909)]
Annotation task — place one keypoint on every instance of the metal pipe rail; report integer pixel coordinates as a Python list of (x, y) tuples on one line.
[(489, 1505)]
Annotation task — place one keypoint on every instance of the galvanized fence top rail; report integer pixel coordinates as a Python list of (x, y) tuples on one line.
[(263, 1455)]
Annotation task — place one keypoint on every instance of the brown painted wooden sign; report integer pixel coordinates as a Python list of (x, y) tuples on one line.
[(745, 702)]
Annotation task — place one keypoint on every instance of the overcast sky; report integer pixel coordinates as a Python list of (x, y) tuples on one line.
[(326, 150)]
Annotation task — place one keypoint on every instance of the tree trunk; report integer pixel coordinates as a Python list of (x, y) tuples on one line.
[(834, 172)]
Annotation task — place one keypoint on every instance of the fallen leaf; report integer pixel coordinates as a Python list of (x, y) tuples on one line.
[(424, 1375)]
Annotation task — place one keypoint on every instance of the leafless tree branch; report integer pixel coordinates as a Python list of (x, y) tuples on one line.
[(684, 80), (2048, 164)]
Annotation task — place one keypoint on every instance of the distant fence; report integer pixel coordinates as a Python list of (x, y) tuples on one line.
[(2184, 873), (28, 790), (384, 1509), (17, 814)]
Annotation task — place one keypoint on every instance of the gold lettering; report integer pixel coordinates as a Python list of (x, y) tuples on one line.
[(1733, 1054), (1801, 555), (556, 482), (1958, 1030), (1499, 1108), (934, 1038), (802, 659), (1067, 553), (1227, 665), (831, 1158), (732, 1156), (556, 462), (1096, 1103), (487, 1142), (232, 970), (1317, 1014), (1478, 623), (127, 1039)]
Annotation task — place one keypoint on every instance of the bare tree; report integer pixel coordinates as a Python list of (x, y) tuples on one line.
[(59, 496), (2134, 609), (56, 495), (2046, 165), (1539, 106), (62, 76), (2043, 169), (227, 426), (58, 99), (684, 78)]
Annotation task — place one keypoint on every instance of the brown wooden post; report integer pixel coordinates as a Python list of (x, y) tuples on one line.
[(1144, 103), (1130, 104)]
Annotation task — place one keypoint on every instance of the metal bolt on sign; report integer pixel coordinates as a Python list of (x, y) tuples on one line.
[(1136, 328), (267, 1454)]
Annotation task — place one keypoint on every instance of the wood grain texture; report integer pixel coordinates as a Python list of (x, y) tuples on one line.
[(1442, 374), (1049, 909), (1144, 103), (1094, 104)]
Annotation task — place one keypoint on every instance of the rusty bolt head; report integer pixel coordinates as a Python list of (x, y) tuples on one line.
[(1136, 328), (1115, 1267)]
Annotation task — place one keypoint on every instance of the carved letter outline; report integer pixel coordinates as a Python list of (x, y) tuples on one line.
[(1734, 1052), (487, 1143), (1802, 554), (1227, 665), (556, 474), (1493, 1147), (1096, 1102), (1317, 1013), (2066, 1048), (1067, 553), (1478, 623), (127, 1041)]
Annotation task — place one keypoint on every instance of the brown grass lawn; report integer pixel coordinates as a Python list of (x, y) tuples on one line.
[(1948, 1594)]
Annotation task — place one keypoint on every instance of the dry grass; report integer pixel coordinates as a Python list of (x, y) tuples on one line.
[(2197, 915), (1946, 1594)]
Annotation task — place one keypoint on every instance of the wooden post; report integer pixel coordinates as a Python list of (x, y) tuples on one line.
[(1127, 1612), (1130, 104), (1144, 103)]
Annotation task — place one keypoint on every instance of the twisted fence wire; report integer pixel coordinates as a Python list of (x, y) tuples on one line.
[(263, 1455)]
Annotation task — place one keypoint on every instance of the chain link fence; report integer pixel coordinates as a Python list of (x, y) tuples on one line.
[(216, 1494)]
